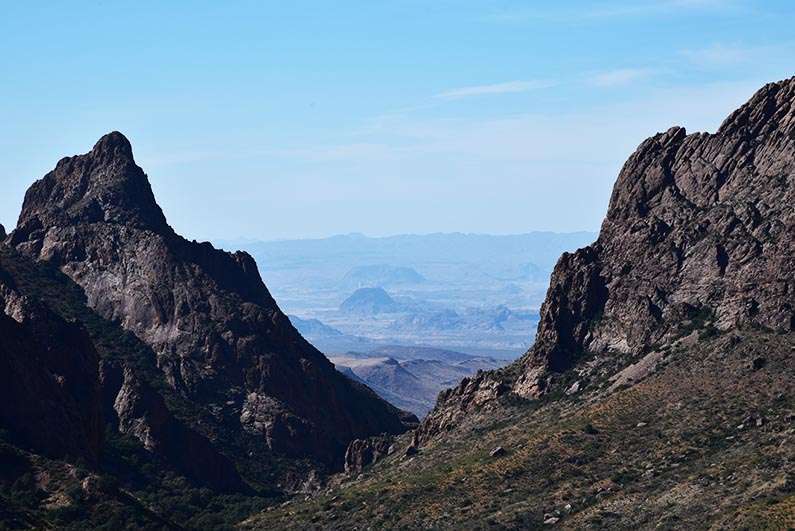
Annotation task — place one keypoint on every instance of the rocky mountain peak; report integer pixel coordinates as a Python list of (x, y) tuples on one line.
[(215, 333), (704, 169), (101, 186), (699, 232), (770, 109), (113, 145)]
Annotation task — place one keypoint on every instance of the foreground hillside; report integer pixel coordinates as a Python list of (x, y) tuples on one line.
[(659, 391), (707, 440)]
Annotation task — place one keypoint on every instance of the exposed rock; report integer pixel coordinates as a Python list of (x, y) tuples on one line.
[(452, 404), (284, 431), (2, 232), (573, 389), (365, 452), (206, 313), (637, 371), (142, 413), (139, 412), (497, 452)]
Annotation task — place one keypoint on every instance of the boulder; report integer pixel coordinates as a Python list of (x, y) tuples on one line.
[(499, 451)]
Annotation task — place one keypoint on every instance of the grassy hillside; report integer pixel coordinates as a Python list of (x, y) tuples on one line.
[(706, 440)]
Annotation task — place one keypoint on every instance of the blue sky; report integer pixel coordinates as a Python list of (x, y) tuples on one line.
[(301, 119)]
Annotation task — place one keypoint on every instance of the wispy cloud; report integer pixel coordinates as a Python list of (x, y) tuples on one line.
[(700, 3), (620, 76), (719, 55), (599, 10), (510, 87), (599, 133)]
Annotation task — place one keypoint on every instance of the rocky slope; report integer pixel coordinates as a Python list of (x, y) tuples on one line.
[(705, 442), (699, 232), (659, 393), (83, 402)]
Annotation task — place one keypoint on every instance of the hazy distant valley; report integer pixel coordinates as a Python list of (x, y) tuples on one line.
[(468, 301)]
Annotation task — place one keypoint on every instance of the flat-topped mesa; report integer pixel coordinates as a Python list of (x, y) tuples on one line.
[(218, 335)]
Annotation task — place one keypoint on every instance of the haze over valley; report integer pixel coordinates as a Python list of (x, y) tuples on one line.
[(474, 296), (470, 292)]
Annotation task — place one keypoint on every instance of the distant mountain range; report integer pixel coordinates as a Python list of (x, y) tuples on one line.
[(469, 292), (380, 275), (500, 255)]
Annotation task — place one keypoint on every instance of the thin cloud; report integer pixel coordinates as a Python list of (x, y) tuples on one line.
[(620, 76), (719, 55), (510, 87), (600, 11)]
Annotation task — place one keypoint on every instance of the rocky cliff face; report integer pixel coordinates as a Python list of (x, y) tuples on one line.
[(49, 391), (364, 452), (70, 378), (219, 338), (700, 227), (700, 232)]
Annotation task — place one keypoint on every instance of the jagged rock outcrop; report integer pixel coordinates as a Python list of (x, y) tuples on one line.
[(49, 392), (700, 231), (141, 412), (64, 381), (470, 395), (362, 453), (217, 333)]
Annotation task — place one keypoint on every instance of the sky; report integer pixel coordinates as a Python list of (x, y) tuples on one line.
[(272, 120)]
